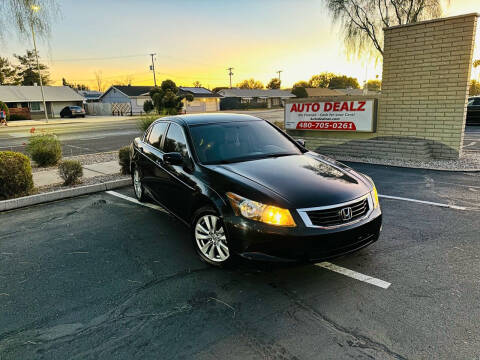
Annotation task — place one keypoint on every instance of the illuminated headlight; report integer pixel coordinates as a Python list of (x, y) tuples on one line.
[(373, 193), (255, 210)]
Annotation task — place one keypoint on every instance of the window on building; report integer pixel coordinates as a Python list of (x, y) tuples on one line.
[(35, 106)]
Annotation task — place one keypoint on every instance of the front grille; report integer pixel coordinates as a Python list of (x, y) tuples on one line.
[(333, 216)]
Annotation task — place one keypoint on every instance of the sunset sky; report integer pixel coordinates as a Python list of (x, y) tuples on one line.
[(198, 40)]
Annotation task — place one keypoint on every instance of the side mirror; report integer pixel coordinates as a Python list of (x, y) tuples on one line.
[(173, 158), (300, 142)]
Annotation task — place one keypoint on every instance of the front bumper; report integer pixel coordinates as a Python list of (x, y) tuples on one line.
[(256, 240)]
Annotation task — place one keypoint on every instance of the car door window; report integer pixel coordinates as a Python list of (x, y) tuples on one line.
[(156, 134), (175, 141), (476, 101)]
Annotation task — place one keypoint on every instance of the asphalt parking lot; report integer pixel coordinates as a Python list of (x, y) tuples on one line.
[(100, 276)]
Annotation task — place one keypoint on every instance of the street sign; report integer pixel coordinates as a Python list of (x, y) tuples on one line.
[(342, 115)]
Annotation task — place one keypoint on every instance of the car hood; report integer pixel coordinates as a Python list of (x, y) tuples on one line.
[(301, 180)]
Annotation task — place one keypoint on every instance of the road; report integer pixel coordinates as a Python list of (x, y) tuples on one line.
[(77, 138), (88, 138), (101, 277)]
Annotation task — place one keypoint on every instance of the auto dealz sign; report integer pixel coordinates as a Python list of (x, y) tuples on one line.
[(358, 115)]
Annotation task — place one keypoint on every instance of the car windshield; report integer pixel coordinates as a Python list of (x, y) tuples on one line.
[(239, 141)]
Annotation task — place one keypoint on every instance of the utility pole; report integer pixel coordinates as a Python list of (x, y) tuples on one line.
[(152, 67), (34, 9), (278, 72), (230, 73)]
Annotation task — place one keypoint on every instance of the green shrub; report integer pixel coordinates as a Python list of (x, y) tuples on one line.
[(15, 175), (44, 149), (148, 106), (70, 171), (145, 121), (124, 160)]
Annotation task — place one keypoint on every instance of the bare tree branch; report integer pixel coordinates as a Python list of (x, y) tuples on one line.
[(362, 20)]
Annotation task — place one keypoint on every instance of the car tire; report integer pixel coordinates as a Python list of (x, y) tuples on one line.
[(210, 238), (138, 188)]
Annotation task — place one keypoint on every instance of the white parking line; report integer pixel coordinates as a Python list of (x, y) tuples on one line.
[(135, 201), (423, 202), (354, 275), (338, 269)]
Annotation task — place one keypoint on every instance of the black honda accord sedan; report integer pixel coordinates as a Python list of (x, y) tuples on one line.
[(246, 188)]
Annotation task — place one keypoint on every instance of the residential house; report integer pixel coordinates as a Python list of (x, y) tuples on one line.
[(90, 95), (27, 102), (243, 98), (203, 99), (126, 99)]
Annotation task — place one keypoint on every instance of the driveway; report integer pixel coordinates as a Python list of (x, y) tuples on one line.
[(100, 276)]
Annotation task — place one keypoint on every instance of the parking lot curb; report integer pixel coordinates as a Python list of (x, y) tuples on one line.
[(61, 194)]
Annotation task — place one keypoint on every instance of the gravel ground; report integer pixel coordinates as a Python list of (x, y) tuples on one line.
[(90, 181), (86, 159), (468, 162)]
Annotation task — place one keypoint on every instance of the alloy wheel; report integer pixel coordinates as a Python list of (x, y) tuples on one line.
[(210, 238)]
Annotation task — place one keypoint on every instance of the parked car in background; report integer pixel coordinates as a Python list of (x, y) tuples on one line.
[(473, 111), (246, 188), (72, 112)]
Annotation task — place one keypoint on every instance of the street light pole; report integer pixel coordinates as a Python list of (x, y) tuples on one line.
[(35, 8)]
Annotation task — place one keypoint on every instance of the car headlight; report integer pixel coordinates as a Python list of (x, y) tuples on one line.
[(374, 194), (255, 210)]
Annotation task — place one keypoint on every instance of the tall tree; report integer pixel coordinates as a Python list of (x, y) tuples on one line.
[(99, 81), (27, 73), (474, 88), (321, 80), (7, 72), (343, 82), (374, 85), (18, 15), (298, 89), (362, 20), (275, 83), (250, 84), (166, 99), (301, 83)]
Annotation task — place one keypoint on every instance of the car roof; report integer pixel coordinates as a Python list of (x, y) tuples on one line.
[(214, 118)]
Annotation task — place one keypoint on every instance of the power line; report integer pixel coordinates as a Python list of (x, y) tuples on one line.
[(97, 58)]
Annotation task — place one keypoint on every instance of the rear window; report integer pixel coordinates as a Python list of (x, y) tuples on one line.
[(75, 108)]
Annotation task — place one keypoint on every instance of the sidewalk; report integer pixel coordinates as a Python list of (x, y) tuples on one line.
[(51, 177), (60, 121)]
